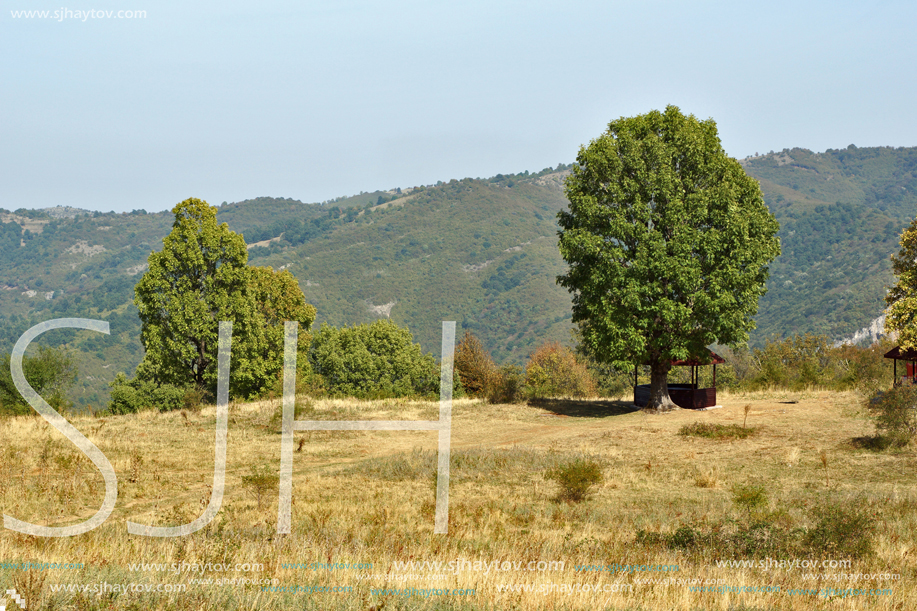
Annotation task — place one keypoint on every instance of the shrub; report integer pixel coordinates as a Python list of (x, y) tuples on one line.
[(895, 415), (194, 398), (795, 362), (863, 369), (129, 396), (260, 481), (374, 361), (749, 497), (843, 530), (553, 371), (474, 365), (576, 478), (715, 431), (506, 385)]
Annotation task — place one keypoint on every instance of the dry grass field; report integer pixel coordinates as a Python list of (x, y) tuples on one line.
[(367, 498)]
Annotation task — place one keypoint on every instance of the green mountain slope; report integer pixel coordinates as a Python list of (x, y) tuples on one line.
[(841, 213)]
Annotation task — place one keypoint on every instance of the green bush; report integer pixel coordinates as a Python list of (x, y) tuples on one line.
[(129, 396), (836, 529), (796, 362), (576, 478), (168, 398), (863, 369), (374, 361), (194, 398), (749, 497), (894, 413)]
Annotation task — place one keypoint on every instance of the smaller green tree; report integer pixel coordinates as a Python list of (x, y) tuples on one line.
[(51, 373), (279, 299), (901, 313)]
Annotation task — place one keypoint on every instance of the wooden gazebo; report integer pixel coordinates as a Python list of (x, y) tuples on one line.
[(910, 365), (688, 396)]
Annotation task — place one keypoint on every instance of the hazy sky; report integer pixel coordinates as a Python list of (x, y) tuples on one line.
[(231, 100)]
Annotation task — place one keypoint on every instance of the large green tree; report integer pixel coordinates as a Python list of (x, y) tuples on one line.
[(202, 277), (901, 313), (668, 243)]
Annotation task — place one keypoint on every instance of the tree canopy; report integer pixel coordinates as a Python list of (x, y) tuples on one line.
[(668, 243), (201, 277), (901, 314)]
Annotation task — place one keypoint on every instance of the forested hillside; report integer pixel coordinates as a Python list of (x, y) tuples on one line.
[(841, 213), (482, 252)]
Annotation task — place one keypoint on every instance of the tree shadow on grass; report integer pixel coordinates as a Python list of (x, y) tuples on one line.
[(585, 408)]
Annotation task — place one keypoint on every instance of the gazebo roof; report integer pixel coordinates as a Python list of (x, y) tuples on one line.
[(903, 355), (715, 359)]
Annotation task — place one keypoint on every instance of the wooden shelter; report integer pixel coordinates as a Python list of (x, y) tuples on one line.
[(910, 365), (688, 396)]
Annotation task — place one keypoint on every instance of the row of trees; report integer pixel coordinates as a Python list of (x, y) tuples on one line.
[(793, 363), (202, 277)]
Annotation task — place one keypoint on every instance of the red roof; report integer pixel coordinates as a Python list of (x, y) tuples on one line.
[(897, 353)]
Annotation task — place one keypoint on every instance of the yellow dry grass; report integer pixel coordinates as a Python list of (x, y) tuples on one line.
[(368, 497)]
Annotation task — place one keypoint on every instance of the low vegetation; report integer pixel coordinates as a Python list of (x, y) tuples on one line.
[(628, 492), (711, 430), (576, 478)]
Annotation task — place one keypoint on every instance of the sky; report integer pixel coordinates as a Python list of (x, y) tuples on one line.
[(229, 101)]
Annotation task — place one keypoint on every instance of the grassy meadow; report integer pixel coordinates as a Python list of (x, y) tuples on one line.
[(684, 489)]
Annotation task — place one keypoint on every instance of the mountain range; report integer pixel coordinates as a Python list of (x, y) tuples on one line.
[(482, 252)]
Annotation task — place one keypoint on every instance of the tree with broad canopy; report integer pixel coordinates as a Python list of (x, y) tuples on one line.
[(668, 243)]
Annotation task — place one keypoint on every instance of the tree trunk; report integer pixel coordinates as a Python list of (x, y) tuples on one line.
[(660, 401)]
